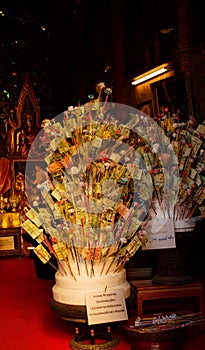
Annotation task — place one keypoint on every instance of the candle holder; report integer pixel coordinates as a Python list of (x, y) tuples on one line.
[(94, 340)]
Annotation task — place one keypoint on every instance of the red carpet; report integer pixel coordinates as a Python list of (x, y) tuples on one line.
[(28, 323)]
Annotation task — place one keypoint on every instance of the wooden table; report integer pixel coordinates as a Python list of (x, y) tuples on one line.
[(146, 290)]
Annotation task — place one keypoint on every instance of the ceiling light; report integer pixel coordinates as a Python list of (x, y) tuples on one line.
[(166, 30), (151, 74)]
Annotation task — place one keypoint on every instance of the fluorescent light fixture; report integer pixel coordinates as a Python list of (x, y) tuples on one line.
[(151, 74)]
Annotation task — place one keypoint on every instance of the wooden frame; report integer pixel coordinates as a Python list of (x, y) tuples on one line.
[(175, 93), (10, 241)]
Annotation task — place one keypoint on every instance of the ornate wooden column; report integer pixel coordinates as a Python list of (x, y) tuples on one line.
[(119, 86), (67, 54), (185, 43), (184, 34)]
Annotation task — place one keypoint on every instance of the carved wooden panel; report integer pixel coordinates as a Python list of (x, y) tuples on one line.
[(25, 123)]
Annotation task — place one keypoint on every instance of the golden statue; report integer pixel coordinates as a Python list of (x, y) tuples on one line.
[(20, 182), (24, 122)]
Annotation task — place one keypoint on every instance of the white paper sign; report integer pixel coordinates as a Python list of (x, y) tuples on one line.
[(106, 306), (162, 239)]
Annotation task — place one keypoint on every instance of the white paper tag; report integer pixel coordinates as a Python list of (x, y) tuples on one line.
[(164, 238), (103, 306)]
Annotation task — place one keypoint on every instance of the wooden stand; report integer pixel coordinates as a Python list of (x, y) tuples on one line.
[(172, 263), (156, 345), (149, 291), (171, 339)]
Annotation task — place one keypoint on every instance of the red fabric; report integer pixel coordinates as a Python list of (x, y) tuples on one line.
[(26, 320), (5, 175), (28, 323)]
